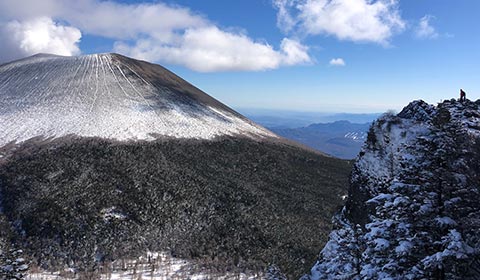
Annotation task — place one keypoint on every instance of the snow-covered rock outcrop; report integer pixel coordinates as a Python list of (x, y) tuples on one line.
[(413, 210), (108, 96)]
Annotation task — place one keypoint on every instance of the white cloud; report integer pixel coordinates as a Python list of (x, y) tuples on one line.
[(38, 35), (354, 20), (337, 62), (425, 30), (211, 49), (107, 18), (163, 33), (293, 52), (285, 19)]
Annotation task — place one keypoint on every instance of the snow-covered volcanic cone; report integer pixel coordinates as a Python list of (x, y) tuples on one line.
[(214, 197), (108, 96)]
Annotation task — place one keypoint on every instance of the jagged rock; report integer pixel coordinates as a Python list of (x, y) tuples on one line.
[(413, 210), (418, 110)]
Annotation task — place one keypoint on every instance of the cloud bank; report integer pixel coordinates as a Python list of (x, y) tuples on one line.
[(210, 49), (152, 31), (353, 20)]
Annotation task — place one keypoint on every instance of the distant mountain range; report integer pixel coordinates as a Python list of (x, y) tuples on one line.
[(295, 119), (341, 139)]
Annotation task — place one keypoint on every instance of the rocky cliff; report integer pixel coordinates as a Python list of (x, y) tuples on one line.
[(413, 208)]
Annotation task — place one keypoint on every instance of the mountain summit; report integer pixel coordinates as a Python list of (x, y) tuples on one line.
[(209, 195), (413, 208), (109, 96)]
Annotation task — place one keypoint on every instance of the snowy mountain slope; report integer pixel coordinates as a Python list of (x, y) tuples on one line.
[(109, 96), (413, 209), (86, 207)]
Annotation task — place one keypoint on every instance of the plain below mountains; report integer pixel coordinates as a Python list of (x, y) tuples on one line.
[(114, 167)]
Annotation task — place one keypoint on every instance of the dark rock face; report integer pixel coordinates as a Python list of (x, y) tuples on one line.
[(233, 204), (413, 210)]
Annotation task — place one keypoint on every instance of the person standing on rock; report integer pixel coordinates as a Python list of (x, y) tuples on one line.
[(463, 95)]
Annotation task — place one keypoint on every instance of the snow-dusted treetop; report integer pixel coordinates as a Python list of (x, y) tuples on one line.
[(412, 210), (109, 96)]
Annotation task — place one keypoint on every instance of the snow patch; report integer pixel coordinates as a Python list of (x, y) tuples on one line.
[(112, 213), (154, 266)]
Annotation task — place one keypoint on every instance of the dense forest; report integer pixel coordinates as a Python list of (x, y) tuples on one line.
[(232, 204)]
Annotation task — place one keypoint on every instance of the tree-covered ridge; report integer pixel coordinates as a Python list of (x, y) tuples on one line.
[(413, 210), (232, 204)]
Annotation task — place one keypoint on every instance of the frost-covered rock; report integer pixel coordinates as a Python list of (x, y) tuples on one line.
[(417, 110), (413, 210), (12, 264)]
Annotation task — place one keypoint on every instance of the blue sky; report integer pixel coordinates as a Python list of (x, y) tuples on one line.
[(393, 51)]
